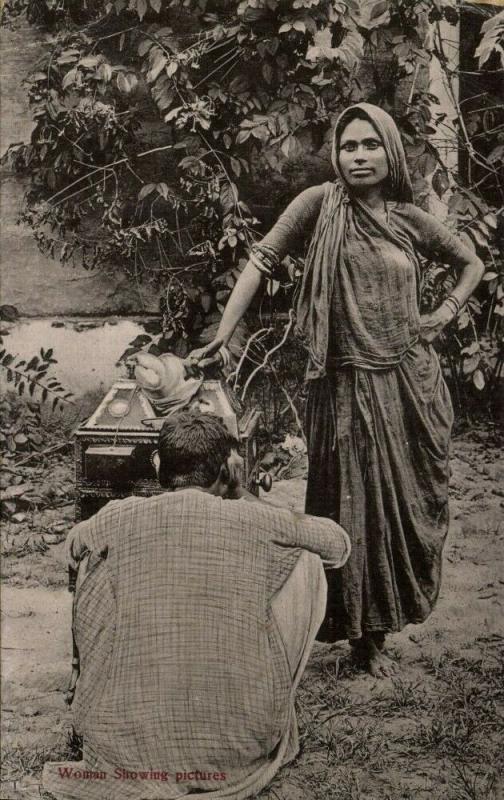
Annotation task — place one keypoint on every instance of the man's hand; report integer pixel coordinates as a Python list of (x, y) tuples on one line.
[(75, 545), (431, 325)]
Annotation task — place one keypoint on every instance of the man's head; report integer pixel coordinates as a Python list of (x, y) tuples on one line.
[(197, 450)]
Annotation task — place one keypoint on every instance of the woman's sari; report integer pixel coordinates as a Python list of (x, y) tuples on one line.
[(379, 413)]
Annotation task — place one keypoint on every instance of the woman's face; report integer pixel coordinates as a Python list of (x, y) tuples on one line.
[(362, 158)]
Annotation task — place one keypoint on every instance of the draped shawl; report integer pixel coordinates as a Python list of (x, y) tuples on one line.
[(344, 219)]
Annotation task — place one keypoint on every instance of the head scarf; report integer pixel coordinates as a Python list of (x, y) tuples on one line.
[(339, 211)]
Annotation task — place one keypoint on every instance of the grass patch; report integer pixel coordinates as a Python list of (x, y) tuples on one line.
[(440, 736), (474, 785), (19, 761)]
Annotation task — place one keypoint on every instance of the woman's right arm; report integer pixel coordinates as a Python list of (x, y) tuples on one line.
[(241, 297), (291, 227), (239, 300)]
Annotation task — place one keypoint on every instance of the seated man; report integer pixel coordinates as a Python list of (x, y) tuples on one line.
[(194, 620)]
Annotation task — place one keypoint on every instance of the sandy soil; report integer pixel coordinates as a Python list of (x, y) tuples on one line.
[(433, 732)]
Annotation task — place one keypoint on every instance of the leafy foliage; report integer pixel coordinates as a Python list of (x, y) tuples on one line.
[(30, 377), (492, 40), (158, 125), (28, 438)]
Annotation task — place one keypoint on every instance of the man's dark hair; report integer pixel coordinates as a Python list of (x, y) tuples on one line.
[(192, 449)]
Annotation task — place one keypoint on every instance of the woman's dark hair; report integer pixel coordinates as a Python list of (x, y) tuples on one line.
[(192, 448), (349, 116)]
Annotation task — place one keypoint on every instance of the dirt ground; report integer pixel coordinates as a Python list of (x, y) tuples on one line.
[(434, 732)]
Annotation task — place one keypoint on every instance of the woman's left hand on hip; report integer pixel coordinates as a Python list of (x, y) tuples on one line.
[(432, 324)]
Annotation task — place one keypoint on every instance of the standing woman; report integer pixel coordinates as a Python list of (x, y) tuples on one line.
[(379, 414)]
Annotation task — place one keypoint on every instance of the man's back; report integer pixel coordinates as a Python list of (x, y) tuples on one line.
[(183, 667)]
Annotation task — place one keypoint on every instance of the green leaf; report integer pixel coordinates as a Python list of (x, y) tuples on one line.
[(471, 349), (33, 364), (440, 182), (166, 99), (470, 364), (158, 65), (126, 82), (481, 240), (492, 30), (479, 380), (239, 84), (68, 57), (146, 190), (242, 136), (491, 220), (374, 13), (206, 302), (69, 78), (236, 167), (144, 47), (291, 147), (173, 113), (188, 162), (267, 72), (141, 8), (122, 83), (497, 154), (104, 72), (89, 62), (162, 189), (156, 5), (228, 196)]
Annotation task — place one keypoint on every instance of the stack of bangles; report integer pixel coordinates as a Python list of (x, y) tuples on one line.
[(453, 304), (264, 259)]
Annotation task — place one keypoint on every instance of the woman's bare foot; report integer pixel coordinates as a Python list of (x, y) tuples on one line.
[(381, 666), (368, 652)]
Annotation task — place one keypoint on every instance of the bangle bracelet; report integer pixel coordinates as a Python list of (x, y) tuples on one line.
[(264, 259), (452, 299), (452, 304)]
